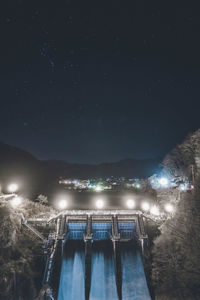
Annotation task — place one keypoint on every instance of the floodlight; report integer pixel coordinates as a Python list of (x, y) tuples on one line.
[(164, 181), (169, 208), (130, 203), (98, 188), (154, 210), (145, 206), (183, 187), (16, 201), (62, 204), (13, 187), (99, 204)]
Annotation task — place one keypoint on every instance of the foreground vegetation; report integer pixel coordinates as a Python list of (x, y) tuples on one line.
[(176, 252), (21, 257)]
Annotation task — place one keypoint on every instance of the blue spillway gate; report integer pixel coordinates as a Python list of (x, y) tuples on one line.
[(100, 230), (75, 231), (127, 230)]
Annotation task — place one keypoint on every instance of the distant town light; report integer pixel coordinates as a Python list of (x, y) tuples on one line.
[(145, 206), (16, 201), (99, 203), (163, 181), (169, 208), (12, 188), (154, 210), (138, 186), (130, 203), (62, 204)]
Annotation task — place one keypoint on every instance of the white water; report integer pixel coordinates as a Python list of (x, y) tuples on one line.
[(72, 285), (103, 284), (134, 285)]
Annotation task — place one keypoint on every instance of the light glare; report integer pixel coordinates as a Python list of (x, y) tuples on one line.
[(12, 188), (16, 201), (98, 188), (155, 210), (62, 204), (169, 208), (183, 187), (164, 181), (99, 204), (130, 203), (145, 206)]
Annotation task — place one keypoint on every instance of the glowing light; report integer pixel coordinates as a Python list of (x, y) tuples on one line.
[(138, 186), (130, 203), (164, 181), (145, 206), (62, 204), (154, 210), (12, 188), (183, 187), (169, 208), (99, 203), (98, 188), (16, 201)]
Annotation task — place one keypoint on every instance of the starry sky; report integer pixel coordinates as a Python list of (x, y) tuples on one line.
[(92, 81)]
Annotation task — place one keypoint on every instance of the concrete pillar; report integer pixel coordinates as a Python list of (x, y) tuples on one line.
[(118, 267), (62, 226), (56, 269), (88, 259)]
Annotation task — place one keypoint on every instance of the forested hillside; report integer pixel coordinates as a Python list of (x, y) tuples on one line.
[(21, 258), (176, 253)]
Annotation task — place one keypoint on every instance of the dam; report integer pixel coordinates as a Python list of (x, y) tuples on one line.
[(96, 255)]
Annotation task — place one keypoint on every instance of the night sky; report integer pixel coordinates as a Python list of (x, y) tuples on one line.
[(93, 81)]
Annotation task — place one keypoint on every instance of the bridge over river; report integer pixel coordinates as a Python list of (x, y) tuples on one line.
[(94, 255)]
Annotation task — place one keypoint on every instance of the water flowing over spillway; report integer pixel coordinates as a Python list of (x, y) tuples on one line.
[(103, 281), (134, 285), (72, 284)]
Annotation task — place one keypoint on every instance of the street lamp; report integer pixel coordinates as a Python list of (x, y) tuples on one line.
[(99, 203), (62, 204), (12, 188), (98, 188), (183, 187), (145, 206), (130, 203), (16, 201), (169, 208), (163, 181), (154, 210)]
